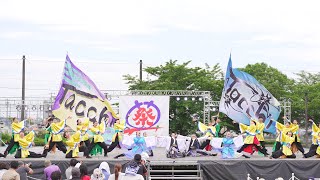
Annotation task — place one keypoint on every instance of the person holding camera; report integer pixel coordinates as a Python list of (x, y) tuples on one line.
[(24, 169)]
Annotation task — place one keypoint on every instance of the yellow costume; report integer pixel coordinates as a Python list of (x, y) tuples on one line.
[(209, 131), (16, 129), (97, 131), (118, 127), (286, 144), (295, 131), (57, 128), (250, 132), (283, 130), (73, 144), (260, 129), (315, 131), (83, 128), (25, 143)]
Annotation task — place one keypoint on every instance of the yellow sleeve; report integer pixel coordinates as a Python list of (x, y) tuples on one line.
[(119, 126), (76, 136), (243, 127), (57, 127), (283, 137), (315, 128), (279, 126), (29, 137), (70, 143), (86, 123), (294, 129), (17, 127), (202, 127)]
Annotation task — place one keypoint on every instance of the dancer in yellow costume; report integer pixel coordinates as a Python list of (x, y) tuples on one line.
[(259, 133), (74, 147), (209, 131), (286, 141), (295, 131), (117, 137), (315, 141), (16, 127), (55, 138), (98, 130), (25, 142), (83, 127), (284, 129)]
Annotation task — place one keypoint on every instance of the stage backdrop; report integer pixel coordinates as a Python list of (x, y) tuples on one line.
[(145, 113)]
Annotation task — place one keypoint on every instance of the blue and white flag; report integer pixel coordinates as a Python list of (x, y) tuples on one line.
[(243, 98)]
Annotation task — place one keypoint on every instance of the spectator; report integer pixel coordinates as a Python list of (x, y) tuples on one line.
[(125, 176), (142, 169), (3, 168), (97, 175), (75, 174), (56, 175), (23, 170), (84, 172), (73, 163), (49, 169), (11, 174), (105, 169)]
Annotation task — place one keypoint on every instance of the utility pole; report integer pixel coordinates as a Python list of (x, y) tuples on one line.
[(140, 70), (306, 122), (23, 86)]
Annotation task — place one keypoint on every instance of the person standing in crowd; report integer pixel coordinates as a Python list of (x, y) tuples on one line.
[(73, 163), (23, 170), (105, 169), (74, 145), (57, 127), (117, 137), (12, 174), (16, 127), (75, 173), (295, 131), (251, 140), (286, 141), (98, 130), (49, 169), (118, 175), (3, 168), (97, 175), (25, 142), (56, 175), (84, 172), (83, 127)]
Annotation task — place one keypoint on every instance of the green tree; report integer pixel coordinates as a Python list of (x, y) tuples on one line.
[(175, 76)]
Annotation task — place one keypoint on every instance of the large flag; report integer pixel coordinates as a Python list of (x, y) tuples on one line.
[(243, 98), (79, 97)]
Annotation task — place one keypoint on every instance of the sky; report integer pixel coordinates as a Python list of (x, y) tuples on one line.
[(106, 39)]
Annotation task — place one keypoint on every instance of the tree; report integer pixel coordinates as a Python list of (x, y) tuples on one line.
[(175, 76)]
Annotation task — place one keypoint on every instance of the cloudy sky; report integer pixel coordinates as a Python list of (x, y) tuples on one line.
[(106, 39)]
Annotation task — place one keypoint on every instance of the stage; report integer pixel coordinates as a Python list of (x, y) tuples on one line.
[(213, 167)]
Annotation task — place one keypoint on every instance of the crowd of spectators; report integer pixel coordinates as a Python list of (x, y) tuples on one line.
[(134, 170)]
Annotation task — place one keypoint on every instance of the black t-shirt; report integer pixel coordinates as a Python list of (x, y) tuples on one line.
[(142, 170)]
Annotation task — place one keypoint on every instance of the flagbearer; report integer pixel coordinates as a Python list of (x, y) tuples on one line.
[(16, 127), (117, 137), (55, 137), (98, 130)]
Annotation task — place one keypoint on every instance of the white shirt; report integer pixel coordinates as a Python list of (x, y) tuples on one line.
[(123, 176)]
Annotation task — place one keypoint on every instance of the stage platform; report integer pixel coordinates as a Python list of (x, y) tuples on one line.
[(212, 167)]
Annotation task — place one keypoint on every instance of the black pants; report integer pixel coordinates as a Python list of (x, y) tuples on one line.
[(279, 153), (312, 151), (81, 149), (11, 144), (1, 155), (59, 145), (260, 149), (103, 145), (278, 146), (87, 143), (114, 144), (198, 151), (120, 155), (204, 144), (31, 155), (298, 144)]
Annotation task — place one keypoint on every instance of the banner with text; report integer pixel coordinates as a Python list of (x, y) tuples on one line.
[(145, 113)]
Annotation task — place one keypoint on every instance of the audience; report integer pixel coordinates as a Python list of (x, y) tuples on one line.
[(3, 168), (11, 173), (84, 172), (23, 170), (104, 167), (73, 163), (56, 175), (97, 175), (130, 175), (49, 169), (75, 173), (142, 169)]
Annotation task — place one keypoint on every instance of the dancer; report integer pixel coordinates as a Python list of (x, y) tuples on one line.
[(174, 151), (150, 151), (315, 143), (251, 139), (117, 137), (83, 127), (216, 123), (259, 132), (138, 147), (284, 129), (16, 127), (209, 131), (48, 122), (74, 145), (55, 137), (295, 130), (194, 148), (286, 141), (228, 147), (25, 142), (98, 130)]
